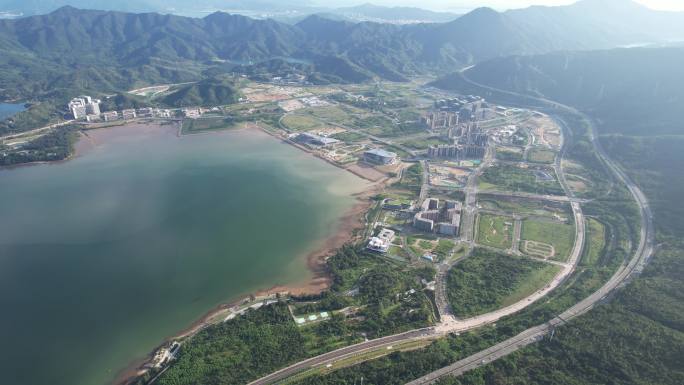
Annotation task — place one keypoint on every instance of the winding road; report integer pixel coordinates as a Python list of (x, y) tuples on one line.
[(624, 274), (531, 335)]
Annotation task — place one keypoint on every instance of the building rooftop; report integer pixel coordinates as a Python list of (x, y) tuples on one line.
[(381, 152)]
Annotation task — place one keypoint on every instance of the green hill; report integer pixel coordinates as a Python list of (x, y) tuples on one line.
[(211, 92)]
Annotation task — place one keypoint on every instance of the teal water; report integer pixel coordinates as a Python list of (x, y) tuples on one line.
[(104, 256), (7, 109)]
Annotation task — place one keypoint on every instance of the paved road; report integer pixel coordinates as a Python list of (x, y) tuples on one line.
[(36, 131), (449, 324), (626, 272), (330, 357)]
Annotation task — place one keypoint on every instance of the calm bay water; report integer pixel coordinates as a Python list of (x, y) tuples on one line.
[(7, 110), (104, 256)]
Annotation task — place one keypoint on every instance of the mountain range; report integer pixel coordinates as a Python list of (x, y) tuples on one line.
[(108, 50), (637, 91), (290, 11)]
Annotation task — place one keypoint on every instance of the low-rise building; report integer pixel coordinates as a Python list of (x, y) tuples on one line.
[(110, 116), (128, 114), (382, 242), (146, 112), (192, 113), (315, 140), (379, 156)]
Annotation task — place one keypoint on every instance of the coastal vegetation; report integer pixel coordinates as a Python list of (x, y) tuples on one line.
[(378, 300), (54, 146), (238, 350)]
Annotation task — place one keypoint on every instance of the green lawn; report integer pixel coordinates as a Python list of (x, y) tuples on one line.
[(301, 122), (560, 236), (495, 231)]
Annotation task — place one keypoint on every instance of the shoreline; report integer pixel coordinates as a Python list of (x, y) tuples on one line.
[(352, 220)]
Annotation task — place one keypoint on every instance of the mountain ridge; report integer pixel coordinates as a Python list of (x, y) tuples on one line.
[(148, 47)]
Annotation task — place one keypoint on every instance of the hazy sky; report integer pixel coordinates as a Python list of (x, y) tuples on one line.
[(677, 5)]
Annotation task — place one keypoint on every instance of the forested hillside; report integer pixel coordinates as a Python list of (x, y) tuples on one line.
[(72, 50)]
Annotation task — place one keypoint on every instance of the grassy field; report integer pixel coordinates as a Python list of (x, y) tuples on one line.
[(412, 179), (438, 247), (509, 153), (349, 137), (560, 236), (597, 242), (508, 177), (539, 155), (301, 122), (488, 281), (495, 231), (525, 207), (423, 144)]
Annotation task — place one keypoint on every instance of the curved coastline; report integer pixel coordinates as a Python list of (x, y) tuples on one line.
[(317, 281)]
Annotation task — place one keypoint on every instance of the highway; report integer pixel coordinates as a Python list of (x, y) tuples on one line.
[(36, 130), (335, 355), (627, 271), (449, 323)]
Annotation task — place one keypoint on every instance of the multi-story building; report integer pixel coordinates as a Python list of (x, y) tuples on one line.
[(128, 114), (440, 119), (110, 116), (445, 220), (83, 106), (379, 156), (444, 151)]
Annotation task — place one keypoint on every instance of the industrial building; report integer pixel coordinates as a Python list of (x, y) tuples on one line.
[(379, 156), (433, 219), (382, 242), (84, 106), (315, 140)]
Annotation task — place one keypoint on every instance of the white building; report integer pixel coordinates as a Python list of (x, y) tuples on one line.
[(83, 106), (128, 114), (110, 116), (382, 242)]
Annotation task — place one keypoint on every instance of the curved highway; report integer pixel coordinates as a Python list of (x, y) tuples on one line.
[(624, 273), (643, 251)]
